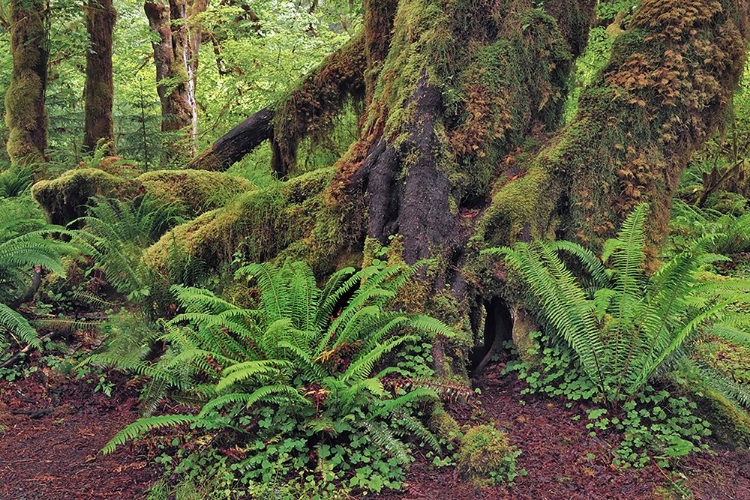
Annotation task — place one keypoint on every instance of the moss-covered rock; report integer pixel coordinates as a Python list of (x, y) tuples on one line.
[(486, 456)]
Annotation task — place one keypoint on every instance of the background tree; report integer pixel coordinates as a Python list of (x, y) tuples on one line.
[(176, 59), (25, 110), (99, 90)]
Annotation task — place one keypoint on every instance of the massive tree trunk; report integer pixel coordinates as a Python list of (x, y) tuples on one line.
[(99, 89), (460, 144), (25, 110), (176, 60)]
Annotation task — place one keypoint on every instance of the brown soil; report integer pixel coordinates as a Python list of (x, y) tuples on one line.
[(52, 428), (51, 431)]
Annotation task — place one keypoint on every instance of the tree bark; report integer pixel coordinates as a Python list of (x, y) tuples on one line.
[(176, 60), (461, 147), (25, 110), (99, 90)]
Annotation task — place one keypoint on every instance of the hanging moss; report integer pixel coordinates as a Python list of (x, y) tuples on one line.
[(310, 110)]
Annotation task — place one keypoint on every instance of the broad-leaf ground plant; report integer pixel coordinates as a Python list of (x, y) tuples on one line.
[(303, 378), (617, 331)]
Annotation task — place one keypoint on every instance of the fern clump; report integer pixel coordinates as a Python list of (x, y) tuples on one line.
[(118, 232), (626, 329), (305, 378), (27, 247)]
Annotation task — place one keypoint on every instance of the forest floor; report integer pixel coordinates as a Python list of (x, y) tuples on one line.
[(52, 429)]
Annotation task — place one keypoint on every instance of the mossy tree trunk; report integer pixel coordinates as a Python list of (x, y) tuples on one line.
[(460, 144), (99, 90), (176, 60), (25, 109)]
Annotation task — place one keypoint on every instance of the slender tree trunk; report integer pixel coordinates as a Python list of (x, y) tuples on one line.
[(99, 90), (25, 110), (176, 60)]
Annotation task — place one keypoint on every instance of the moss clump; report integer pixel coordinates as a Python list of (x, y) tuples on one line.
[(445, 426), (66, 198), (486, 456), (199, 190)]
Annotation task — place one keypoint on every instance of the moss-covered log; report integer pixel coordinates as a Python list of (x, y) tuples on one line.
[(25, 110), (66, 198), (283, 220), (99, 89)]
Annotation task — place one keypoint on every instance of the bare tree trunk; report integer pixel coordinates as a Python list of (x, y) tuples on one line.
[(99, 91), (25, 110), (176, 60)]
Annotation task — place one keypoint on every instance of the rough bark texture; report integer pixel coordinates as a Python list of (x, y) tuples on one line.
[(99, 90), (461, 147), (236, 143), (25, 111), (176, 60)]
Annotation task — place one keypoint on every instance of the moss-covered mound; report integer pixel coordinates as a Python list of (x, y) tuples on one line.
[(65, 198), (486, 456)]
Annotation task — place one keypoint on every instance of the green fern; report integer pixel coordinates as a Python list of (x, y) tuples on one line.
[(630, 325), (302, 351), (24, 247), (118, 232), (143, 426)]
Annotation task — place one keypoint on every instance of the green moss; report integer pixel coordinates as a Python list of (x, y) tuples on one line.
[(486, 456), (521, 208), (261, 224), (25, 113), (730, 425), (65, 198), (445, 426), (199, 190)]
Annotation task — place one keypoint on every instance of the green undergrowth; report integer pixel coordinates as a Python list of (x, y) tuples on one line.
[(633, 343), (298, 389)]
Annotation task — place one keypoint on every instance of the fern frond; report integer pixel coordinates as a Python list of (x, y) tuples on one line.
[(240, 372), (18, 327), (280, 394), (143, 426), (362, 367), (382, 437)]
